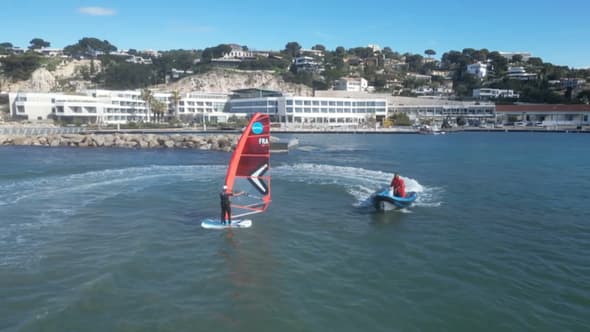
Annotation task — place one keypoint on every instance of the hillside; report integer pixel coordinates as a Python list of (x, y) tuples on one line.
[(68, 77), (226, 80)]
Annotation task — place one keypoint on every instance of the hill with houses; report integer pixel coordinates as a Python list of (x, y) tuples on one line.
[(505, 77)]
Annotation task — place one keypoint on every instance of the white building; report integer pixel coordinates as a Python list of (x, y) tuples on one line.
[(139, 60), (318, 53), (435, 110), (485, 93), (31, 106), (374, 47), (351, 84), (200, 107), (419, 77), (310, 111), (547, 115), (509, 55), (519, 73), (307, 63), (238, 52), (478, 69)]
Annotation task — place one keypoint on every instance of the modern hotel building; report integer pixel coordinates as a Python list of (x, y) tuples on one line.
[(308, 111)]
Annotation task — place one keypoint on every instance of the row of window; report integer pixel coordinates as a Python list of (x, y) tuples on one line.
[(198, 103), (254, 103), (463, 111), (335, 103), (333, 110), (193, 110)]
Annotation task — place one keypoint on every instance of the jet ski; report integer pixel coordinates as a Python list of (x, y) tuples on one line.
[(385, 200)]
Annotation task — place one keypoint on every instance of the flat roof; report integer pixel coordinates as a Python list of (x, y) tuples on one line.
[(543, 108)]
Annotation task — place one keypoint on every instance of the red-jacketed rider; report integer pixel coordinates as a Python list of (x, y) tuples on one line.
[(398, 185)]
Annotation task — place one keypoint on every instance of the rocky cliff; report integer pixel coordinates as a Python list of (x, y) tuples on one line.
[(67, 78), (226, 80)]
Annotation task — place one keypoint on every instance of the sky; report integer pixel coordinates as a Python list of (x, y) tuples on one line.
[(558, 32)]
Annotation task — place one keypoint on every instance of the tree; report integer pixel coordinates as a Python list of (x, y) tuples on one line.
[(88, 46), (148, 97), (292, 49), (400, 119), (584, 97), (517, 58), (535, 61), (414, 62), (5, 48), (37, 43), (175, 98), (20, 67), (214, 52), (319, 47), (430, 52), (158, 108)]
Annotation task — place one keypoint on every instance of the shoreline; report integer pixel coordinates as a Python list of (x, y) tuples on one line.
[(215, 140), (223, 143)]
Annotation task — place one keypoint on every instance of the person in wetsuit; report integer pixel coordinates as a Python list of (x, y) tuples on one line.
[(225, 205)]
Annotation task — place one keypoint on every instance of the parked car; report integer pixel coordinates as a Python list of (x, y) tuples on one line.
[(520, 124)]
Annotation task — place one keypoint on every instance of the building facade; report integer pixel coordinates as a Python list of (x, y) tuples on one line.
[(312, 111), (546, 115)]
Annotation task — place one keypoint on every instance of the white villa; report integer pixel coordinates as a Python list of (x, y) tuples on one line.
[(519, 73), (351, 84), (478, 69), (486, 93), (509, 55)]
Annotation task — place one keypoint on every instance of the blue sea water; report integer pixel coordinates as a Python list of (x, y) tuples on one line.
[(110, 239)]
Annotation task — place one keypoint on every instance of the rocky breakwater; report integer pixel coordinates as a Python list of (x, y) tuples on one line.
[(118, 140)]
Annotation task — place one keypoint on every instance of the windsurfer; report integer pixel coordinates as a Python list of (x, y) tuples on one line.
[(398, 186)]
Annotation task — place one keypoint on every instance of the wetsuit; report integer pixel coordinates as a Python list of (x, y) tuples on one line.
[(225, 206), (399, 187)]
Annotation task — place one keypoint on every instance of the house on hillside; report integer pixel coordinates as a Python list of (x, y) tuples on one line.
[(478, 69), (308, 64), (351, 84), (486, 93), (519, 73)]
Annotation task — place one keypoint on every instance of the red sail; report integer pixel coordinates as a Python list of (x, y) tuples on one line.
[(248, 174)]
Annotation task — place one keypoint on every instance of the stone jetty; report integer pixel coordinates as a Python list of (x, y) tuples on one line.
[(120, 140)]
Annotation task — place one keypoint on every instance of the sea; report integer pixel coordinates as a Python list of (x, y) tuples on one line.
[(105, 239)]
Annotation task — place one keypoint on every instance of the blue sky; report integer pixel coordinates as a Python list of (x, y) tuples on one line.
[(558, 32)]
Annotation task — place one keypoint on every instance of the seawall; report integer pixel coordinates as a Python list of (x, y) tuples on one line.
[(119, 140)]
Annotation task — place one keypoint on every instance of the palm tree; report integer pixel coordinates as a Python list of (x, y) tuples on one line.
[(148, 97), (159, 108), (175, 98)]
